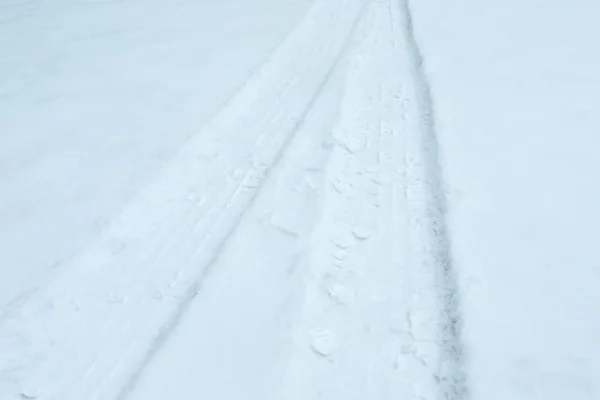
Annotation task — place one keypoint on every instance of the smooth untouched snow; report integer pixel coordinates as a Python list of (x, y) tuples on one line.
[(394, 200)]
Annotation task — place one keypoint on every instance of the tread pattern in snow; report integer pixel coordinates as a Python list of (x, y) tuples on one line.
[(382, 242), (452, 375)]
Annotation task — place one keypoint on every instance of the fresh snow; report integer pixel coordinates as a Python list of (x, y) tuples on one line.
[(516, 86), (95, 96), (325, 199)]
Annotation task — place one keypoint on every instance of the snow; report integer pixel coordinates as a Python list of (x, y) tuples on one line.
[(517, 97), (339, 199), (241, 327), (95, 96)]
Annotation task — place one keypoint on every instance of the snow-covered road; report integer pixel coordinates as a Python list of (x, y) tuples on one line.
[(320, 237)]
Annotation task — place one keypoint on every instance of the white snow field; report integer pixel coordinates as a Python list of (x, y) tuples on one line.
[(317, 199)]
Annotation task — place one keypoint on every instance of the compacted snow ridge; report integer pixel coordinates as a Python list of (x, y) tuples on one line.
[(380, 312)]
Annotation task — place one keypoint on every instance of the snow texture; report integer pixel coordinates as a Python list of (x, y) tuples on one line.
[(326, 199), (516, 86)]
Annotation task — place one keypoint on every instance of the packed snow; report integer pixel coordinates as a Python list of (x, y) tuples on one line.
[(315, 199)]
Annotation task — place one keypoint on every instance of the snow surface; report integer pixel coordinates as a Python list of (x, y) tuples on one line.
[(95, 96), (517, 100), (334, 199)]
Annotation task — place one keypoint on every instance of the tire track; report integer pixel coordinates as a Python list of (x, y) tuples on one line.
[(451, 377), (274, 227), (380, 316), (197, 286)]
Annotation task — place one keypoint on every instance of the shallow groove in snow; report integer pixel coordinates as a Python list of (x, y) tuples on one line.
[(452, 376)]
